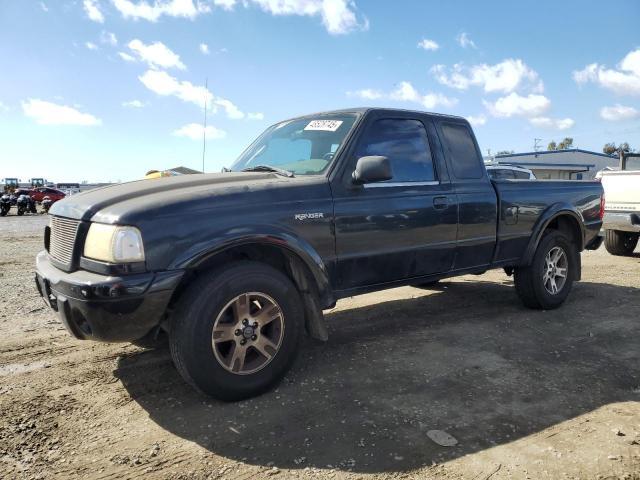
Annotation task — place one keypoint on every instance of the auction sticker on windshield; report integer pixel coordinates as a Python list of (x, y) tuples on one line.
[(324, 125)]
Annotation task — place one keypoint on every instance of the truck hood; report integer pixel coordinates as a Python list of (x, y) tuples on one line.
[(110, 204)]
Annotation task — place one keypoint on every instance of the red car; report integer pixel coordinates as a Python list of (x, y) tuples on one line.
[(40, 192)]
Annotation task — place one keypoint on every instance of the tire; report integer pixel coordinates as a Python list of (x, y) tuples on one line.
[(213, 300), (20, 211), (533, 286), (620, 243), (3, 213)]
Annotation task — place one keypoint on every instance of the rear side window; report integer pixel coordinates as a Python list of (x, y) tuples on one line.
[(521, 175), (405, 143), (500, 173), (462, 151)]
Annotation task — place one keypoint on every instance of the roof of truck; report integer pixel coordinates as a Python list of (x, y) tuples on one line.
[(369, 109)]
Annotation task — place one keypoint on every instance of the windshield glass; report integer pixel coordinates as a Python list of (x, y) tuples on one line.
[(303, 146)]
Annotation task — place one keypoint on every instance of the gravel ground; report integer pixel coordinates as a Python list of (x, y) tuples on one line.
[(527, 394)]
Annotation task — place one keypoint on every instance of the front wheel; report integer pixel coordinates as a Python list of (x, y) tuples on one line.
[(620, 243), (546, 283), (20, 211), (236, 331)]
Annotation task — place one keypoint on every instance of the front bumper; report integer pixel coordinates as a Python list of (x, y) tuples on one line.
[(623, 221), (106, 308)]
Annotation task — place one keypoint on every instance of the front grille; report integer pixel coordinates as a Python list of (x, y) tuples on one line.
[(63, 238)]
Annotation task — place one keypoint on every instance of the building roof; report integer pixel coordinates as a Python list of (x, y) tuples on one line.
[(550, 152)]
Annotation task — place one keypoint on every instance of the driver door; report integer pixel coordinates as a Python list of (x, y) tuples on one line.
[(401, 228)]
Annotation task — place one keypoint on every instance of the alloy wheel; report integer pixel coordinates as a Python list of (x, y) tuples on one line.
[(556, 265), (248, 333)]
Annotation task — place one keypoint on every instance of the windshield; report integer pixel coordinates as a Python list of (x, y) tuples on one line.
[(303, 146)]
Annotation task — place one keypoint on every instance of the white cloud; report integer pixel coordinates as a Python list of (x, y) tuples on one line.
[(165, 85), (44, 7), (477, 120), (93, 11), (204, 48), (520, 106), (338, 16), (225, 4), (552, 123), (464, 41), (255, 116), (3, 108), (232, 111), (47, 113), (367, 94), (133, 104), (126, 57), (618, 113), (91, 46), (406, 92), (156, 9), (427, 44), (109, 38), (625, 80), (195, 131), (506, 76), (156, 55)]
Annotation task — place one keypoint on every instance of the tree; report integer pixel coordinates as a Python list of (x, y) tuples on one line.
[(609, 148), (566, 143), (552, 145)]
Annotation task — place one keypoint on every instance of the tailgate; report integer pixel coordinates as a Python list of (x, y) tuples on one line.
[(622, 191)]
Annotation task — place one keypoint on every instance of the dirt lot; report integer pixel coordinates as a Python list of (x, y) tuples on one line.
[(527, 394)]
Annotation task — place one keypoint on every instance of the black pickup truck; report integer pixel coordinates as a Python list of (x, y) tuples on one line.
[(234, 266)]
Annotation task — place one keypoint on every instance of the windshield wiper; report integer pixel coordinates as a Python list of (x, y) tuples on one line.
[(269, 168)]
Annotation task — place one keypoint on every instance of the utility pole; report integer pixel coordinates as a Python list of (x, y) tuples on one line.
[(536, 141), (204, 128)]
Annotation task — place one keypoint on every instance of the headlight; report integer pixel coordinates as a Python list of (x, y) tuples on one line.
[(114, 244)]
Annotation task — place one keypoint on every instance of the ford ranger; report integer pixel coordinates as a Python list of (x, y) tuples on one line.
[(235, 266)]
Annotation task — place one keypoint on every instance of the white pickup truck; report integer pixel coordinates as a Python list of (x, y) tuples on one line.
[(622, 208)]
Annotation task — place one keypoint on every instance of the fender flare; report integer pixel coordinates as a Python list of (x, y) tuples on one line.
[(289, 243), (551, 213)]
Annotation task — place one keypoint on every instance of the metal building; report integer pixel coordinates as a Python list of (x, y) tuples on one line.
[(571, 164)]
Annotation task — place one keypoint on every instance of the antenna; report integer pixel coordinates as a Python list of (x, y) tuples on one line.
[(204, 128), (536, 141)]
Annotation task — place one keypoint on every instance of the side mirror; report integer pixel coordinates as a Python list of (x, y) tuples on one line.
[(372, 169)]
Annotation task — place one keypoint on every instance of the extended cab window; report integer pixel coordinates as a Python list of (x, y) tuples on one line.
[(462, 151), (405, 143)]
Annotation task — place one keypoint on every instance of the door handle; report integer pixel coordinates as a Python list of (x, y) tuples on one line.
[(440, 202)]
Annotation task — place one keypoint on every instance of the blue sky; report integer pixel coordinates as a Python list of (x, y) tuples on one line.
[(103, 90)]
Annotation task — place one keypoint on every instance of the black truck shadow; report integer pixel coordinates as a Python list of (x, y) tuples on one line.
[(468, 359)]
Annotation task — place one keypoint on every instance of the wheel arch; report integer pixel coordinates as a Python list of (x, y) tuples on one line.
[(290, 255), (561, 217)]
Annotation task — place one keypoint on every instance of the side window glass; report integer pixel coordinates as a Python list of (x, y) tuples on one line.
[(462, 151), (405, 143), (521, 175)]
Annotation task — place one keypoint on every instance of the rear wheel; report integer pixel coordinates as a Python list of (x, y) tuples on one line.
[(546, 283), (20, 211), (620, 243), (236, 331)]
